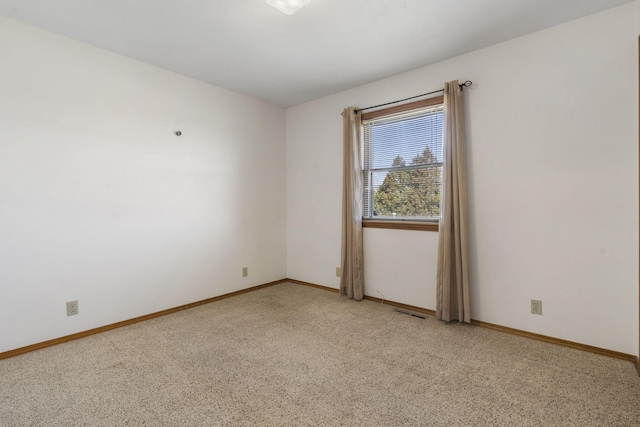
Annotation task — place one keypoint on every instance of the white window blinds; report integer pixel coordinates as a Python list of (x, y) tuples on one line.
[(403, 165)]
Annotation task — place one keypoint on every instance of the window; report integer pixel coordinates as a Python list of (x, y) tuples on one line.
[(403, 165)]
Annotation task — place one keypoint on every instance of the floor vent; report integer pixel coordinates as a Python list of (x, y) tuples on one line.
[(409, 313)]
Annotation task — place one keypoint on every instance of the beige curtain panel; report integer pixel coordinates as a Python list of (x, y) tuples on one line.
[(453, 259), (352, 263)]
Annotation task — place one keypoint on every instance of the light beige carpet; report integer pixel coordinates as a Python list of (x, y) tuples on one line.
[(290, 355)]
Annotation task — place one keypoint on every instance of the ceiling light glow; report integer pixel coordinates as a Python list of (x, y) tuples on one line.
[(288, 6)]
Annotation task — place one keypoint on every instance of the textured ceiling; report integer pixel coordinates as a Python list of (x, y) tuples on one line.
[(329, 46)]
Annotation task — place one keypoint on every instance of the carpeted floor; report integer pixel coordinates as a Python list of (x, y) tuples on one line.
[(290, 355)]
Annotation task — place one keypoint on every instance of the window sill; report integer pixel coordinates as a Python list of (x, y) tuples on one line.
[(400, 225)]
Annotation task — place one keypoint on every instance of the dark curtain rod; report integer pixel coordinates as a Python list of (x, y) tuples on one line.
[(462, 86)]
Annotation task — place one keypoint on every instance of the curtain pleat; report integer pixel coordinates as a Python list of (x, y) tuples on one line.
[(352, 259), (452, 301)]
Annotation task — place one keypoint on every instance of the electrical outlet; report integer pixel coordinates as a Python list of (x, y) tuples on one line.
[(338, 272), (72, 308), (536, 306), (245, 271)]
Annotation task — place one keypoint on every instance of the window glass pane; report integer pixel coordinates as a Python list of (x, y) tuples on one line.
[(407, 193), (412, 143)]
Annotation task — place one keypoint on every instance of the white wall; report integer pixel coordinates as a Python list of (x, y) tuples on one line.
[(101, 202), (552, 158)]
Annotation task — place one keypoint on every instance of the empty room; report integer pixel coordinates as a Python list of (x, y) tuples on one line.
[(319, 212)]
